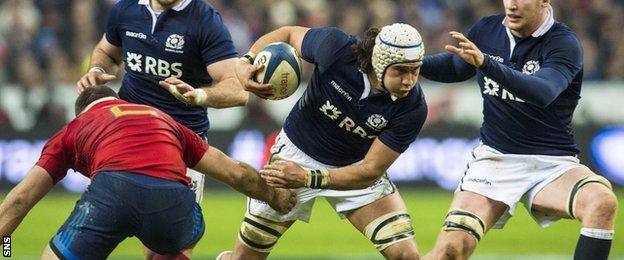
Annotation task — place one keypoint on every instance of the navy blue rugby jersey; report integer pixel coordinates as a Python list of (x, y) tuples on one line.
[(530, 86), (179, 42), (337, 118)]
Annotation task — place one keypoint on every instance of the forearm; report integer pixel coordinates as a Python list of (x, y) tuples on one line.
[(540, 89), (248, 181), (353, 177), (446, 67), (226, 93), (12, 212)]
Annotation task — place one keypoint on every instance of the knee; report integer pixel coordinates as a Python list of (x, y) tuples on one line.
[(597, 203), (456, 249), (404, 255)]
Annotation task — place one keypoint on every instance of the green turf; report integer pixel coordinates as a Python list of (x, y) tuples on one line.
[(326, 237)]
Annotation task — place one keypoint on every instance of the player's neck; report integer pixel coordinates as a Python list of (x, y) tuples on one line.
[(158, 7), (96, 102), (374, 82)]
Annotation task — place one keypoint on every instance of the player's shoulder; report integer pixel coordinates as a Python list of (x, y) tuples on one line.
[(202, 10), (562, 31), (332, 34), (122, 4)]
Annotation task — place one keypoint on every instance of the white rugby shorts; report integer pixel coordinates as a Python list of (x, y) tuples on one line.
[(510, 178), (341, 201)]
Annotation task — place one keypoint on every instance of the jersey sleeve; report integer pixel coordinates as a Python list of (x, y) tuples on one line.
[(404, 128), (193, 146), (215, 40), (564, 59), (113, 34), (56, 157), (321, 46)]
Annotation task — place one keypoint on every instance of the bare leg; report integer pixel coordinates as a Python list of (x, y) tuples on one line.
[(455, 244), (361, 217)]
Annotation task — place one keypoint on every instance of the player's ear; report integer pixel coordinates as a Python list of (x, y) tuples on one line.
[(545, 3)]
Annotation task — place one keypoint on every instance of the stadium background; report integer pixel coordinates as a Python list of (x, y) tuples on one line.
[(44, 49)]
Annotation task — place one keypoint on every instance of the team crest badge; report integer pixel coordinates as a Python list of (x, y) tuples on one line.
[(531, 67), (174, 43), (376, 121)]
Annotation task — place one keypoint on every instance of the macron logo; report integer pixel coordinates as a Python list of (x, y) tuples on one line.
[(136, 35), (340, 90)]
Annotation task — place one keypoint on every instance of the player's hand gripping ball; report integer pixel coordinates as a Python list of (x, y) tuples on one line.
[(282, 69)]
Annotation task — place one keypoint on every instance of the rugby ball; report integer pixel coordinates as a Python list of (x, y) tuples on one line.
[(282, 69)]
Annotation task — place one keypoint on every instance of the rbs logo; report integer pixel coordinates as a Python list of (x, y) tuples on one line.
[(151, 65)]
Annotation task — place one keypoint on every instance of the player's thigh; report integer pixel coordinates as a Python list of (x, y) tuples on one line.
[(553, 199), (48, 254)]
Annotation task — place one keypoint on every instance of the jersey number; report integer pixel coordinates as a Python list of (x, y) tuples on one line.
[(116, 110)]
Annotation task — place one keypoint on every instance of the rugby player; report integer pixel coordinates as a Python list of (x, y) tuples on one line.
[(136, 157), (181, 45), (362, 108), (529, 68)]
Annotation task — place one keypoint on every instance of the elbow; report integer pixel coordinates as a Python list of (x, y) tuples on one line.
[(371, 177)]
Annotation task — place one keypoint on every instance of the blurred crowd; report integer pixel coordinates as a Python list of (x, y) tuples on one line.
[(45, 44)]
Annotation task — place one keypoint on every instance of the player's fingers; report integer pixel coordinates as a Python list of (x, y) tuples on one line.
[(173, 80), (254, 68), (107, 77), (163, 84), (467, 45), (452, 49), (92, 80), (471, 52)]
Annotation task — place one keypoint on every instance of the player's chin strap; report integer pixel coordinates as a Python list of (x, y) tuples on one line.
[(260, 234), (462, 220), (580, 183), (389, 229)]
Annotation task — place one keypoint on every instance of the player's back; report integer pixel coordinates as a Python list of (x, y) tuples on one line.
[(116, 135)]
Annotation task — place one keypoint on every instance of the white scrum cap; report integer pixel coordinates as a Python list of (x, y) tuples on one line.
[(396, 43)]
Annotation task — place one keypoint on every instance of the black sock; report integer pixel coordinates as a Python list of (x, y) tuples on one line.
[(589, 248)]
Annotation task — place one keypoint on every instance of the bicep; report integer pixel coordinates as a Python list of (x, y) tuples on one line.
[(111, 50), (295, 39)]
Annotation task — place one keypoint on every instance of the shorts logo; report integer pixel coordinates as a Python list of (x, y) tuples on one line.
[(175, 43), (531, 67), (376, 121), (330, 110), (480, 181)]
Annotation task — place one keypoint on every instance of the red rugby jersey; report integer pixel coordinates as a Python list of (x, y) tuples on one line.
[(115, 135)]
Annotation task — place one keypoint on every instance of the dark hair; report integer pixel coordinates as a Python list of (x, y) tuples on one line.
[(364, 50), (91, 94)]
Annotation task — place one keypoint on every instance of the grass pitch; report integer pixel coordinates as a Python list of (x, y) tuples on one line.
[(326, 236)]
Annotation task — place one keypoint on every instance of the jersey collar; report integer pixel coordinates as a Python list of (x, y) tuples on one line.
[(367, 89), (179, 7)]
